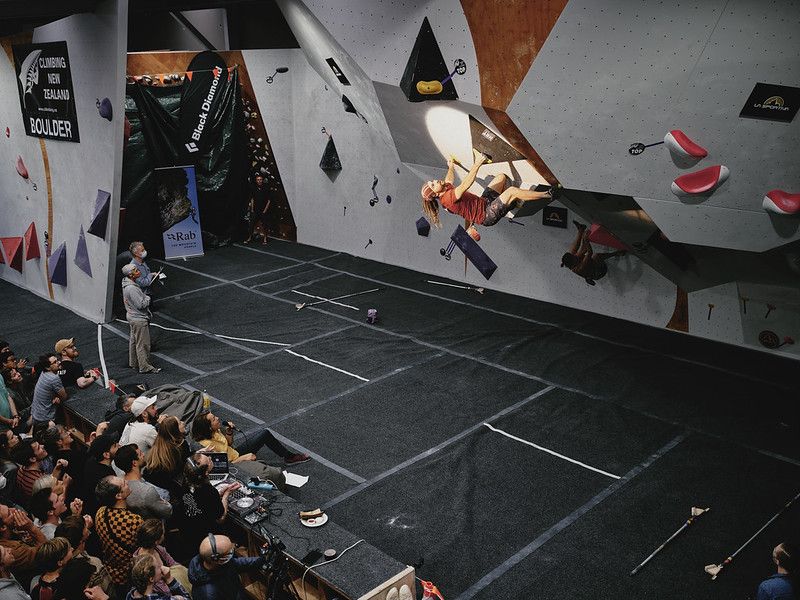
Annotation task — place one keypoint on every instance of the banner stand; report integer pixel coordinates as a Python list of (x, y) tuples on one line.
[(176, 193)]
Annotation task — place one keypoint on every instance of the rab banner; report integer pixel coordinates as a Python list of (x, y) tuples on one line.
[(180, 217), (45, 91), (201, 102)]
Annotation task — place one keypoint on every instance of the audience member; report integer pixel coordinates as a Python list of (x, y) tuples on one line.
[(150, 539), (10, 589), (50, 559), (146, 572), (141, 430), (144, 498), (119, 416), (781, 585), (199, 508), (77, 531), (17, 391), (78, 582), (98, 465), (58, 442), (116, 526), (48, 506), (49, 391), (21, 537), (9, 414), (214, 572), (8, 440), (207, 430), (72, 373), (164, 463), (28, 455)]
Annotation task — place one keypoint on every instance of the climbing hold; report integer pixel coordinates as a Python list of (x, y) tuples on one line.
[(388, 199), (330, 157), (21, 169), (770, 308), (710, 308), (31, 243), (700, 182), (100, 217), (368, 243), (8, 134), (423, 227), (681, 144), (429, 88), (104, 108), (13, 249), (782, 203), (57, 265), (598, 234), (82, 254), (473, 252)]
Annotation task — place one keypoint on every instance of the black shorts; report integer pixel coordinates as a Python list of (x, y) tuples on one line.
[(495, 209)]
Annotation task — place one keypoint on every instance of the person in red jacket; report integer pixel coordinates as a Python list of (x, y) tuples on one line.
[(487, 209)]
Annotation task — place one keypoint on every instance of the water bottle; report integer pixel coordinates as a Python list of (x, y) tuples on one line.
[(206, 401)]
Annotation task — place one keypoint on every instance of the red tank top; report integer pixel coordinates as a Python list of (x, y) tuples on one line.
[(469, 206)]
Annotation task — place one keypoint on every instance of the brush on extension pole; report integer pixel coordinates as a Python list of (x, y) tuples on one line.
[(304, 304), (696, 512), (715, 570)]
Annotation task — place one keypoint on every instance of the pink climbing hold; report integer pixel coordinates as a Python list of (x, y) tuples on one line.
[(600, 235), (8, 132), (680, 143), (700, 182), (781, 202), (23, 172)]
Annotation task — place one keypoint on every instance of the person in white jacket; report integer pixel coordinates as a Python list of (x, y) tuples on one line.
[(137, 311)]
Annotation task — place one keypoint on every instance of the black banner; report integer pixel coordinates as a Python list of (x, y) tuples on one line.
[(772, 102), (200, 104), (45, 91)]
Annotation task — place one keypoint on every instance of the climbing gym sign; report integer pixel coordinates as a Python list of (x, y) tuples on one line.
[(44, 82)]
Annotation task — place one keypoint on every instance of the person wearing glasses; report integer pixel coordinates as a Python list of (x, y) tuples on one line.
[(72, 372), (49, 392)]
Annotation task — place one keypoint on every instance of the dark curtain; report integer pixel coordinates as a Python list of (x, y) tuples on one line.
[(221, 166)]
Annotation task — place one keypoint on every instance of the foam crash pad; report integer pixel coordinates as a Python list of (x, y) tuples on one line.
[(82, 254), (600, 235), (426, 64), (782, 203), (488, 142), (700, 182), (12, 246), (680, 143), (32, 243), (473, 252), (100, 217), (57, 265), (330, 157), (423, 227)]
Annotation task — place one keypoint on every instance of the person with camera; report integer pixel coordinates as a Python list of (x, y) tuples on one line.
[(214, 572)]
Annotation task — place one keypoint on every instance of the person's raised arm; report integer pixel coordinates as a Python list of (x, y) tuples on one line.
[(470, 178), (451, 174)]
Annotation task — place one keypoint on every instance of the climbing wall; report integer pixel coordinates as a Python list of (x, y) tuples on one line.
[(619, 72), (58, 195)]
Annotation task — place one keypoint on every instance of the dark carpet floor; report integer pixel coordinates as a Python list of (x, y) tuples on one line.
[(601, 436)]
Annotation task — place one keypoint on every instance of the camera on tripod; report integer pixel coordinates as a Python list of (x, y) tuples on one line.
[(273, 552)]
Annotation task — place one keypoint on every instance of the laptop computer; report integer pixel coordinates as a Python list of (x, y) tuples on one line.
[(219, 467)]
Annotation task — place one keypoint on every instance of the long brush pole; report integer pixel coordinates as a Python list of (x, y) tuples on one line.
[(715, 570), (304, 304), (696, 512)]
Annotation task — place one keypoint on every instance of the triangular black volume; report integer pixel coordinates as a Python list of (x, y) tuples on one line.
[(348, 106), (488, 142), (330, 158), (426, 64), (98, 224)]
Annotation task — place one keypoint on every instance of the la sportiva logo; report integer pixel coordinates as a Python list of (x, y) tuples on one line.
[(772, 103)]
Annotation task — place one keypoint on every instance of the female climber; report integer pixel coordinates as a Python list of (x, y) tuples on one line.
[(487, 209)]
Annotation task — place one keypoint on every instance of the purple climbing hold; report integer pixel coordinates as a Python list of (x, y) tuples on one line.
[(104, 108), (57, 265), (82, 255)]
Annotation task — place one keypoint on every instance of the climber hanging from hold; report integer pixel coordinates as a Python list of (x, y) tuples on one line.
[(487, 209)]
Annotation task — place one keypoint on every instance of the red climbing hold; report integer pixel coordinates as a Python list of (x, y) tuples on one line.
[(781, 202), (679, 142), (702, 181), (23, 172), (600, 235)]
